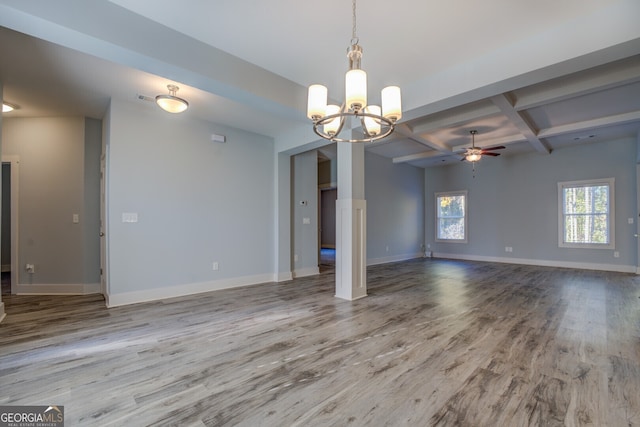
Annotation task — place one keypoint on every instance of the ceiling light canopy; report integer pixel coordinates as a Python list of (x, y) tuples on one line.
[(377, 121), (172, 103), (6, 107)]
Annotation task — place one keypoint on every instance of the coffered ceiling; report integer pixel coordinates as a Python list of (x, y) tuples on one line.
[(532, 76)]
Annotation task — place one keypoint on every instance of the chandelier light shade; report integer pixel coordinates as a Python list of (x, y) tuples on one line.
[(172, 103), (377, 121)]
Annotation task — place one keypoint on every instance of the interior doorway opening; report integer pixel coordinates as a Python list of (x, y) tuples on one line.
[(9, 225), (327, 240)]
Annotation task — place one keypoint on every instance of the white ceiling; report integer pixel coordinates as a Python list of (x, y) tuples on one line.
[(532, 76)]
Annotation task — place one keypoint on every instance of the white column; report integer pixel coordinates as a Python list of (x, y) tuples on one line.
[(351, 223)]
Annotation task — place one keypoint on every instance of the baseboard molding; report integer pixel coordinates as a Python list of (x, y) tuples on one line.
[(283, 277), (394, 258), (543, 263), (58, 289), (311, 271), (147, 295), (2, 313)]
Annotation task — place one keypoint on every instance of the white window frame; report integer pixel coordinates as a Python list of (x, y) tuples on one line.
[(610, 182), (466, 215)]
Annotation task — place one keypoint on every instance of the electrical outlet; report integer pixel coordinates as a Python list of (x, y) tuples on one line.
[(215, 266), (295, 258), (30, 268), (616, 254)]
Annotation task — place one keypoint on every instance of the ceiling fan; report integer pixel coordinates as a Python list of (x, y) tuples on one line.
[(474, 154)]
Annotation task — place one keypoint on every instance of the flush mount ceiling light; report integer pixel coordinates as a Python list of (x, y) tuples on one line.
[(377, 121), (6, 107), (171, 103)]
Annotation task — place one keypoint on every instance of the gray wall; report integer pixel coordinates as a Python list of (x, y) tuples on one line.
[(57, 179), (395, 209), (304, 171), (513, 201), (197, 202)]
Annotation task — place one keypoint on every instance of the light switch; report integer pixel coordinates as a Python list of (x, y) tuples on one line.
[(76, 218), (306, 220)]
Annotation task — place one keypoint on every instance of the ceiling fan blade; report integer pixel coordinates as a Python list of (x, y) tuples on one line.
[(499, 147), (490, 154)]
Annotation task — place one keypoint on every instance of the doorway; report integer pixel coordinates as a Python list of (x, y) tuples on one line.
[(327, 236), (9, 225)]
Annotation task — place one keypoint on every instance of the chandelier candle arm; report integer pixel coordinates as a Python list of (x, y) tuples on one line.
[(317, 102), (334, 126), (371, 124), (391, 103)]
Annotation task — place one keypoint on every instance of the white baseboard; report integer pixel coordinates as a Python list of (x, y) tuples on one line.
[(394, 258), (126, 298), (58, 289), (283, 276), (543, 263), (311, 271)]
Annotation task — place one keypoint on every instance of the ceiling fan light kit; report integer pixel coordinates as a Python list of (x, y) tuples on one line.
[(474, 154), (377, 121)]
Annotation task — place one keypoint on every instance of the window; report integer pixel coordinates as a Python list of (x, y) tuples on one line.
[(586, 214), (451, 217)]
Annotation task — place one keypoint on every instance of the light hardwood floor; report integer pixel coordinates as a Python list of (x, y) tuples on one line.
[(436, 343)]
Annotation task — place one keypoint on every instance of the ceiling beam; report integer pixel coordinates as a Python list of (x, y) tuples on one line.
[(417, 156), (461, 115), (596, 80), (404, 130), (523, 125), (618, 119)]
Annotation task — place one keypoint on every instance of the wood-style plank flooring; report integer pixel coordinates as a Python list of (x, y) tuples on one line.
[(436, 343)]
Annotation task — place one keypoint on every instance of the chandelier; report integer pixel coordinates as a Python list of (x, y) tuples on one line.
[(377, 121)]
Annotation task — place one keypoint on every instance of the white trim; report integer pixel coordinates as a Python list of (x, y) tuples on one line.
[(466, 215), (283, 276), (611, 214), (543, 263), (2, 313), (125, 298), (310, 271), (394, 258), (58, 289)]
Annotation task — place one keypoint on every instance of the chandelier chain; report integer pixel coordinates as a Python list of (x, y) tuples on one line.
[(354, 37)]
